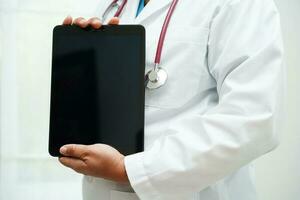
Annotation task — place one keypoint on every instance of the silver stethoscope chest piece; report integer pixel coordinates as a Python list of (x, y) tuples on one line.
[(156, 78)]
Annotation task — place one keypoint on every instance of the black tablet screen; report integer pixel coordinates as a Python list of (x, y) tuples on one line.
[(97, 89)]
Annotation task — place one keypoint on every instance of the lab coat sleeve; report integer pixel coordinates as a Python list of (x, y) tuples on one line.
[(245, 57)]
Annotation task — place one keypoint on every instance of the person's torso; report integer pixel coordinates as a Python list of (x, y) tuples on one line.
[(190, 88)]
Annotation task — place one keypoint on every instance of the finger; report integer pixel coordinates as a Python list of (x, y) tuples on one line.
[(114, 21), (73, 163), (95, 23), (81, 22), (74, 150), (68, 20)]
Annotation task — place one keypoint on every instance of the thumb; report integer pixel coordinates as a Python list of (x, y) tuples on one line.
[(73, 150)]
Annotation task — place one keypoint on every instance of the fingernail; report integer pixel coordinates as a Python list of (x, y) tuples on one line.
[(95, 21), (82, 22), (63, 150)]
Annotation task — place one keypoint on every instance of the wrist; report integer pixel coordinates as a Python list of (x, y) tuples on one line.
[(122, 171)]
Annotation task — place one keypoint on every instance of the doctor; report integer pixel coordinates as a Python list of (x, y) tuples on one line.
[(220, 108)]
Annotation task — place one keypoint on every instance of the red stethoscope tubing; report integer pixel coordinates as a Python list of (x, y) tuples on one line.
[(121, 8), (163, 30)]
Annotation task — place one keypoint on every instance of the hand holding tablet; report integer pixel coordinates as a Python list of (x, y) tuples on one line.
[(98, 160), (97, 89), (94, 22)]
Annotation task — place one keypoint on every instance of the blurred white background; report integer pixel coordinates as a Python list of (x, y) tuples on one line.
[(27, 171), (278, 174)]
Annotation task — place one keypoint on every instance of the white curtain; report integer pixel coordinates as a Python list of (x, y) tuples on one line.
[(26, 169)]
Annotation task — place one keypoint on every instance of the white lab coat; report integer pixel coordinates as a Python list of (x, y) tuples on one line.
[(221, 108)]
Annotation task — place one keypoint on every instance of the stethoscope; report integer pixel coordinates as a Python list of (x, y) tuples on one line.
[(157, 76)]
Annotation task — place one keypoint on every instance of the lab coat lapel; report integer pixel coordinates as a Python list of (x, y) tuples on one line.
[(129, 12), (151, 8)]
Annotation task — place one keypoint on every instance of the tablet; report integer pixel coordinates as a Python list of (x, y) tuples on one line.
[(97, 87)]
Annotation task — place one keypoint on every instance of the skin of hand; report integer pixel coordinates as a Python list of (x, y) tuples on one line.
[(93, 22), (98, 160)]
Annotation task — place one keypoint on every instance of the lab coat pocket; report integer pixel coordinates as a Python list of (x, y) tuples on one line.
[(184, 59), (118, 195)]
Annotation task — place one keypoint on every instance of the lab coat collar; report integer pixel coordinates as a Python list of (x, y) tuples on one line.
[(151, 8)]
